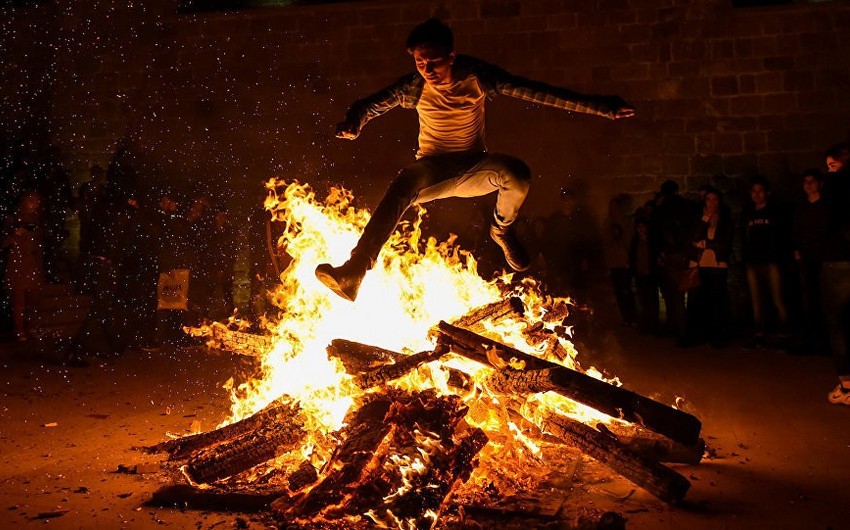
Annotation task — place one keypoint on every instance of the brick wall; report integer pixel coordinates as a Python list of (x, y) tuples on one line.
[(231, 99)]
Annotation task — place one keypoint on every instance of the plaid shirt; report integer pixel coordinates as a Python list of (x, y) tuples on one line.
[(493, 80)]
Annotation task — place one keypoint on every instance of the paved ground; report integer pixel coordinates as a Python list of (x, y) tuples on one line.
[(782, 452)]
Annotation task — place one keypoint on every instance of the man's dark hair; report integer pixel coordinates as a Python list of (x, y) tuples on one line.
[(669, 187), (431, 34), (815, 173), (761, 181), (709, 189), (840, 152)]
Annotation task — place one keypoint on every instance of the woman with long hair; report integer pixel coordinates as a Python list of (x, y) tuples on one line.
[(711, 247)]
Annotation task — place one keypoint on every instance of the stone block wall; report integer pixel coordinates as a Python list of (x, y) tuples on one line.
[(225, 100)]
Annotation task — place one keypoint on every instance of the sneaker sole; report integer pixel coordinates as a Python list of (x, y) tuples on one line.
[(331, 283), (514, 266)]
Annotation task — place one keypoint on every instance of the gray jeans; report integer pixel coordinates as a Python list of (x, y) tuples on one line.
[(463, 174)]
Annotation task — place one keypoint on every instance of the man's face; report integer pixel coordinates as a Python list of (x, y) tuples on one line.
[(435, 66), (811, 185), (833, 164), (712, 202), (758, 194)]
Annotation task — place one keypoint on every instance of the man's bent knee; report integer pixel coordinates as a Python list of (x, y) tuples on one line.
[(513, 168), (407, 185)]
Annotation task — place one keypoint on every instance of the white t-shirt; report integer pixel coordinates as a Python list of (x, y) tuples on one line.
[(451, 117)]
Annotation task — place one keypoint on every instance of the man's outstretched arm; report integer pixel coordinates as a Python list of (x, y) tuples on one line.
[(364, 110), (503, 82)]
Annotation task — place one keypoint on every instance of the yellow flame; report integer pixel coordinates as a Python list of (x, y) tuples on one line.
[(414, 285)]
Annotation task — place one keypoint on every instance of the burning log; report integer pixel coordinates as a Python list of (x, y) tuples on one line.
[(655, 448), (247, 450), (422, 440), (221, 337), (424, 501), (654, 477), (364, 431), (658, 448), (386, 373), (492, 311), (400, 465), (185, 496), (357, 357), (614, 401), (276, 411)]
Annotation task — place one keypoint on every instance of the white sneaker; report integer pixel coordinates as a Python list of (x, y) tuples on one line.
[(839, 395)]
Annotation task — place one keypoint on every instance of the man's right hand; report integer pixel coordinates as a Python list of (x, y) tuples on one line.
[(347, 130)]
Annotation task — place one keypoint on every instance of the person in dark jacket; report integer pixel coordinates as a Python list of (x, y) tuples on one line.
[(766, 249), (809, 236), (448, 92), (670, 227)]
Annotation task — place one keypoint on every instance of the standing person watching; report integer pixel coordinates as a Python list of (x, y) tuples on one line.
[(24, 237), (711, 248), (836, 268), (809, 235), (448, 92), (765, 249)]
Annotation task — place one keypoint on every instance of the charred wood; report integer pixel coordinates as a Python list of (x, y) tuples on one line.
[(305, 475), (276, 411), (357, 357), (614, 401), (481, 517), (654, 477), (424, 502), (387, 373), (655, 448), (426, 423), (220, 337), (365, 430), (245, 451), (660, 449), (184, 496), (492, 311), (365, 473)]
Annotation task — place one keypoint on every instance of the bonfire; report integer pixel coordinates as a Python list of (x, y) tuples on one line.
[(434, 393)]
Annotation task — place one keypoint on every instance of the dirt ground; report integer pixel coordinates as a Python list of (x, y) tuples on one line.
[(779, 452)]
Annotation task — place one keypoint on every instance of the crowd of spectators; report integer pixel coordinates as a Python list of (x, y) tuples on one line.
[(668, 261), (132, 234), (669, 264)]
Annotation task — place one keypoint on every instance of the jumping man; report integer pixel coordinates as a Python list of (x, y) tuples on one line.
[(448, 92)]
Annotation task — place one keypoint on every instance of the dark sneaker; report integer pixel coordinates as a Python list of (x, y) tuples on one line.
[(515, 254), (343, 280)]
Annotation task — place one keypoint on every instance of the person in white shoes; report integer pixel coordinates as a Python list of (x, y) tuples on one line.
[(836, 267)]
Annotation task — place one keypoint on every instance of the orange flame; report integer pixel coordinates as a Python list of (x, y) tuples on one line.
[(414, 285)]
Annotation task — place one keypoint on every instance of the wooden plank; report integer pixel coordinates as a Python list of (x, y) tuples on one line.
[(615, 401)]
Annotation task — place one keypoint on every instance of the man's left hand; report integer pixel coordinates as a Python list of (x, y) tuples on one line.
[(620, 108), (624, 112)]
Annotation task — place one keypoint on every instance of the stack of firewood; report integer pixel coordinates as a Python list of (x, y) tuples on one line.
[(390, 432)]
